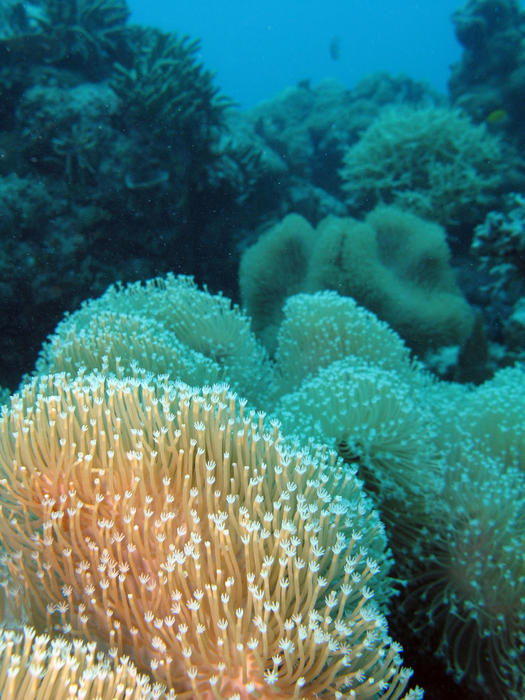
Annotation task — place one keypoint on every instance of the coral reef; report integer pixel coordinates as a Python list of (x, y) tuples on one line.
[(489, 81), (499, 246), (257, 504), (108, 134), (123, 490), (144, 167), (301, 135)]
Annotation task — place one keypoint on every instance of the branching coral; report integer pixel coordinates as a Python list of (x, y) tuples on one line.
[(173, 526), (79, 152), (89, 30), (171, 108), (86, 34), (434, 161), (166, 90)]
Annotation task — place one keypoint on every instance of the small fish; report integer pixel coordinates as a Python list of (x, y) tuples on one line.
[(334, 48), (496, 116)]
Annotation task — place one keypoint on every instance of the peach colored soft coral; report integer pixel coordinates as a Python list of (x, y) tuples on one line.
[(172, 525)]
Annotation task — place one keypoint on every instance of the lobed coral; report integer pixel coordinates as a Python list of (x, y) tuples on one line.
[(394, 263), (290, 241), (398, 266)]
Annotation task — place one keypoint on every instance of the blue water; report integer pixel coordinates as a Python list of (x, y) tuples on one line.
[(258, 48)]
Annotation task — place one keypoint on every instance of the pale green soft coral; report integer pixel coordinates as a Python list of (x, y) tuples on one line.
[(318, 329), (348, 380), (263, 287), (397, 265), (114, 342), (444, 463), (487, 419), (432, 160), (164, 326), (373, 417), (472, 580)]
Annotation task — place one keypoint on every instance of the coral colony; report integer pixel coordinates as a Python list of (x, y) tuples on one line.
[(305, 484)]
